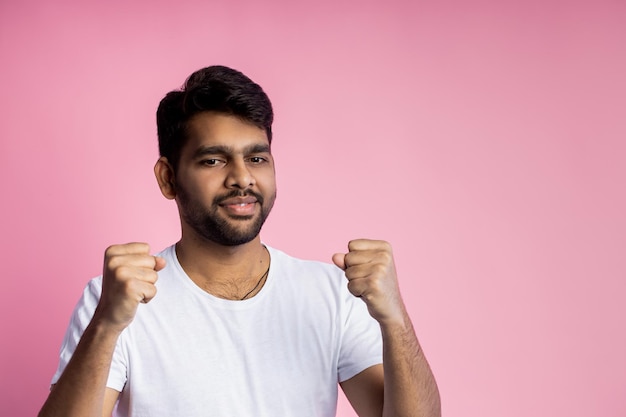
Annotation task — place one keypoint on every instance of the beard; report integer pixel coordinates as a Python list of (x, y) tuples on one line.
[(221, 229)]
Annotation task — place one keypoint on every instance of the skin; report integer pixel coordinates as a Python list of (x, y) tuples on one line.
[(404, 385), (226, 156)]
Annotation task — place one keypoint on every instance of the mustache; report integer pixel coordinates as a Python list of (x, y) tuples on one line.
[(238, 193)]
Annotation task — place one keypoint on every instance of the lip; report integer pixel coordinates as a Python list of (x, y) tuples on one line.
[(237, 201), (239, 206)]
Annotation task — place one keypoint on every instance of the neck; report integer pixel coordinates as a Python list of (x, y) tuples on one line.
[(225, 271)]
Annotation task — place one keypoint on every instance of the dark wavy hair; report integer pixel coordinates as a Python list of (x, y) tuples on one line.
[(215, 88)]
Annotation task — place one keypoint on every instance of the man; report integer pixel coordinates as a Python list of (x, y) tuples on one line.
[(236, 328)]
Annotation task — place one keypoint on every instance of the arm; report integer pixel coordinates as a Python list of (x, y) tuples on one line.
[(404, 385), (128, 279), (81, 389)]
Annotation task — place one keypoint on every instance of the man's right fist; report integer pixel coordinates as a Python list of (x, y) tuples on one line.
[(128, 279)]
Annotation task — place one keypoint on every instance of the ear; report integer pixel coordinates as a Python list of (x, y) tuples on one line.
[(165, 177)]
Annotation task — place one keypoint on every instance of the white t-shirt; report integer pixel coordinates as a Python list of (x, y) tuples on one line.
[(279, 353)]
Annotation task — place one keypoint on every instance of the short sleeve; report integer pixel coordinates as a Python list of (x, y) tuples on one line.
[(80, 319), (361, 340)]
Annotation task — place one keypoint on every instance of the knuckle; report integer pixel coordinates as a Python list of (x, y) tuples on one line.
[(353, 288), (355, 244), (124, 272), (151, 276), (127, 248), (150, 294), (367, 297), (141, 247), (372, 281), (380, 269), (386, 257), (133, 290), (113, 262), (111, 251)]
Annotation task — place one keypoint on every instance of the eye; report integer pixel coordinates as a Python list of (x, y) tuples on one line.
[(210, 162), (257, 159)]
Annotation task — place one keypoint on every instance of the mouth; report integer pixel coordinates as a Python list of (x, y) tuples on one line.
[(240, 206)]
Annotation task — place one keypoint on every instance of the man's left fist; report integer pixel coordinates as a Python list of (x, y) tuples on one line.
[(371, 274)]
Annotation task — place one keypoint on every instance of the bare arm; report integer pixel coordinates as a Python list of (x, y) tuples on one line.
[(81, 390), (404, 385), (128, 279), (410, 387)]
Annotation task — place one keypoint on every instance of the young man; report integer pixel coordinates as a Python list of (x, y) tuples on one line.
[(220, 324)]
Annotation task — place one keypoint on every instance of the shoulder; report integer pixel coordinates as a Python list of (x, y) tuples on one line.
[(167, 253)]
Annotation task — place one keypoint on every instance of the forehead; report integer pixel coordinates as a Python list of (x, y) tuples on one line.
[(224, 130)]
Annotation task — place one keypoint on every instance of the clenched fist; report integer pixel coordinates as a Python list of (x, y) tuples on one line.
[(371, 274), (129, 275)]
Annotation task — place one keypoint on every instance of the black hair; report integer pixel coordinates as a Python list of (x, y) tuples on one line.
[(215, 88)]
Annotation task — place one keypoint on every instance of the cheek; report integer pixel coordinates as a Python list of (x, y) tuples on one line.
[(267, 177), (199, 187), (268, 184)]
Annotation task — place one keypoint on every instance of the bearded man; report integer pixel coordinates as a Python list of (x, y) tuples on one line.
[(220, 324)]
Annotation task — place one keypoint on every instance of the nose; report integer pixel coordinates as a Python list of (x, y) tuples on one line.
[(239, 176)]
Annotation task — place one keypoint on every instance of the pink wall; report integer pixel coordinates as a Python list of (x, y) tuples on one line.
[(487, 142)]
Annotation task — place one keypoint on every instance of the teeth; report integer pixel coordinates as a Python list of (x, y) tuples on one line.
[(239, 204)]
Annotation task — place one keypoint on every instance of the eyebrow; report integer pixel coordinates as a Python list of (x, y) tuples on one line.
[(228, 150)]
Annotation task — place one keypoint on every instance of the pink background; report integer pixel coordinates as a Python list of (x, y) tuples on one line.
[(485, 140)]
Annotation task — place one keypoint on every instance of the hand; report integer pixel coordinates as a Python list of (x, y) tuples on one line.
[(129, 275), (371, 274)]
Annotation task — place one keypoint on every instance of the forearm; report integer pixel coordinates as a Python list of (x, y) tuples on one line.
[(410, 387), (80, 389)]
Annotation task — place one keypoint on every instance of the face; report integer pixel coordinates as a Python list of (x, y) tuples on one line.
[(225, 182)]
